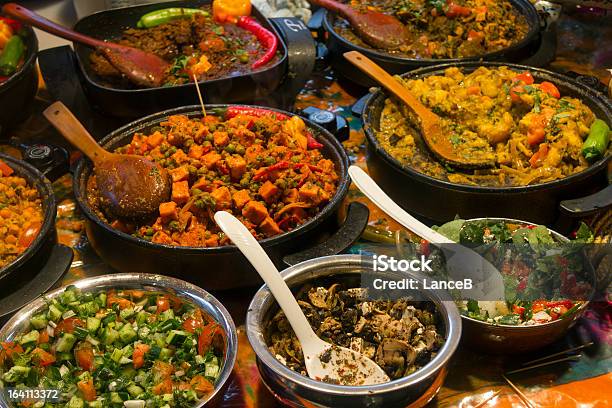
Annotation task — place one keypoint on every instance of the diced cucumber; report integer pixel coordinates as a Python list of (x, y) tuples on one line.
[(115, 398), (127, 313), (134, 390), (144, 332), (116, 355), (109, 318), (211, 370), (109, 335), (16, 374), (65, 343), (63, 356), (199, 359), (176, 337), (89, 308), (165, 354), (166, 315), (75, 402), (127, 333), (93, 324), (141, 318), (54, 313), (80, 333), (101, 299), (96, 404), (31, 337), (39, 321), (68, 296)]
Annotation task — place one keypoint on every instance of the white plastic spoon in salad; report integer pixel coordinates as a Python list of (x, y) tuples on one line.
[(461, 262), (324, 361)]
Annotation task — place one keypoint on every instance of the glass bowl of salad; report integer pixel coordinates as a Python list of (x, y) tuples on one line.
[(124, 340), (529, 319)]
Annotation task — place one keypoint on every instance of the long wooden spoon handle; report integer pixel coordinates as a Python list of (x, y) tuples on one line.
[(31, 18), (376, 72), (70, 127), (332, 5)]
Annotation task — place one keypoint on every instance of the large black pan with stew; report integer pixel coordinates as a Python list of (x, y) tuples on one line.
[(294, 62), (221, 267), (438, 200)]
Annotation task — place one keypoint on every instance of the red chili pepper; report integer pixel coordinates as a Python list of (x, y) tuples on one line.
[(282, 165), (312, 142), (233, 111), (265, 37), (315, 168), (567, 303), (14, 24), (519, 310)]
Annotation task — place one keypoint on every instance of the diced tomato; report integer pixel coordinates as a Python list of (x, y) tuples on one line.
[(207, 336), (195, 322), (5, 169), (455, 10), (515, 93), (475, 35), (519, 310), (163, 304), (162, 370), (42, 357), (84, 355), (201, 385), (538, 156), (568, 304), (43, 337), (9, 348), (123, 303), (538, 306), (87, 389), (550, 88), (68, 325), (525, 77), (164, 387), (138, 358)]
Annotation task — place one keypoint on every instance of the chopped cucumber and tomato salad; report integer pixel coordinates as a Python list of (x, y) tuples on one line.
[(126, 348), (544, 280)]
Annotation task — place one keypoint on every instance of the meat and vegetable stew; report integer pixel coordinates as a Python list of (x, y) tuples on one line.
[(194, 44), (264, 167), (126, 348), (21, 214), (544, 280), (401, 336), (535, 134), (448, 28)]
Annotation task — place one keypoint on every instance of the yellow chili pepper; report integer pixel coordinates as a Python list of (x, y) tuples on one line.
[(230, 10)]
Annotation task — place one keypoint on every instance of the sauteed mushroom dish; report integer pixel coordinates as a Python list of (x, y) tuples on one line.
[(448, 28), (264, 167), (21, 214), (400, 335), (537, 134)]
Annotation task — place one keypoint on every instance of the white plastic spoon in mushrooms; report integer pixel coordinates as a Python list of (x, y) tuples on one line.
[(461, 262), (324, 361)]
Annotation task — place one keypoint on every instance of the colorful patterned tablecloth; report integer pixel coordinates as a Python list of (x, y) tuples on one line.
[(472, 377)]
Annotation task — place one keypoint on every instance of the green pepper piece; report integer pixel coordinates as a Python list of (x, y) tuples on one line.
[(11, 55), (596, 144), (163, 16)]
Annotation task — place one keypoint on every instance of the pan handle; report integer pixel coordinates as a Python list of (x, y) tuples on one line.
[(356, 220), (52, 161), (582, 207)]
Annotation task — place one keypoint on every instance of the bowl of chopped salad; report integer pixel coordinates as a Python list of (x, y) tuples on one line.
[(18, 73), (123, 340), (548, 283)]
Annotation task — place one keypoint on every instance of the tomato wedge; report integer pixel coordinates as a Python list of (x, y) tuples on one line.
[(207, 337), (138, 358), (68, 325), (550, 88), (87, 389), (42, 358), (5, 169), (84, 355)]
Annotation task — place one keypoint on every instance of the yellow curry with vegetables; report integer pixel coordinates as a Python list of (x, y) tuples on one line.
[(21, 215), (535, 133)]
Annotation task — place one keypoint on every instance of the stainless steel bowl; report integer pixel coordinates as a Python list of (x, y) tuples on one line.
[(501, 339), (151, 283), (297, 390)]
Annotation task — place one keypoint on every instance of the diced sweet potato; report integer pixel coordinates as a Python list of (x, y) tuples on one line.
[(255, 212), (179, 173), (196, 151), (312, 193), (220, 139), (237, 166), (291, 196), (222, 197), (155, 139), (180, 192), (269, 227), (180, 157), (240, 198), (210, 159), (168, 210), (268, 192), (202, 184)]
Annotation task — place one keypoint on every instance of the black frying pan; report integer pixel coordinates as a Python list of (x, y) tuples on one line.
[(220, 267), (251, 88), (440, 201), (338, 45)]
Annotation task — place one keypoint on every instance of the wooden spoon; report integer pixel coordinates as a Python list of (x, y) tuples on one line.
[(322, 359), (377, 29), (437, 136), (138, 66), (130, 186)]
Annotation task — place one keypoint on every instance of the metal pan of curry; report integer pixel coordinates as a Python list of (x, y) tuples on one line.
[(535, 122)]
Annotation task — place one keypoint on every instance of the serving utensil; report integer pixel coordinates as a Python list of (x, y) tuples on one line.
[(436, 135), (461, 262), (324, 361), (377, 29), (138, 66), (130, 186)]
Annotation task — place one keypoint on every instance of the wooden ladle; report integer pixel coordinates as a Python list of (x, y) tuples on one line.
[(437, 136), (131, 187), (377, 29), (138, 66)]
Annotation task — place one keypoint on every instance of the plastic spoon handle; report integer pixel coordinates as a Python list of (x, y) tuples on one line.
[(383, 201), (70, 127), (248, 245)]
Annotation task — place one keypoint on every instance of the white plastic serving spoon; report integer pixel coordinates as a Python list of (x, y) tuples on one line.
[(324, 361), (461, 262)]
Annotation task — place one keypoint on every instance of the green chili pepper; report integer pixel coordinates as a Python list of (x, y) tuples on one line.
[(162, 16), (11, 55), (596, 143)]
